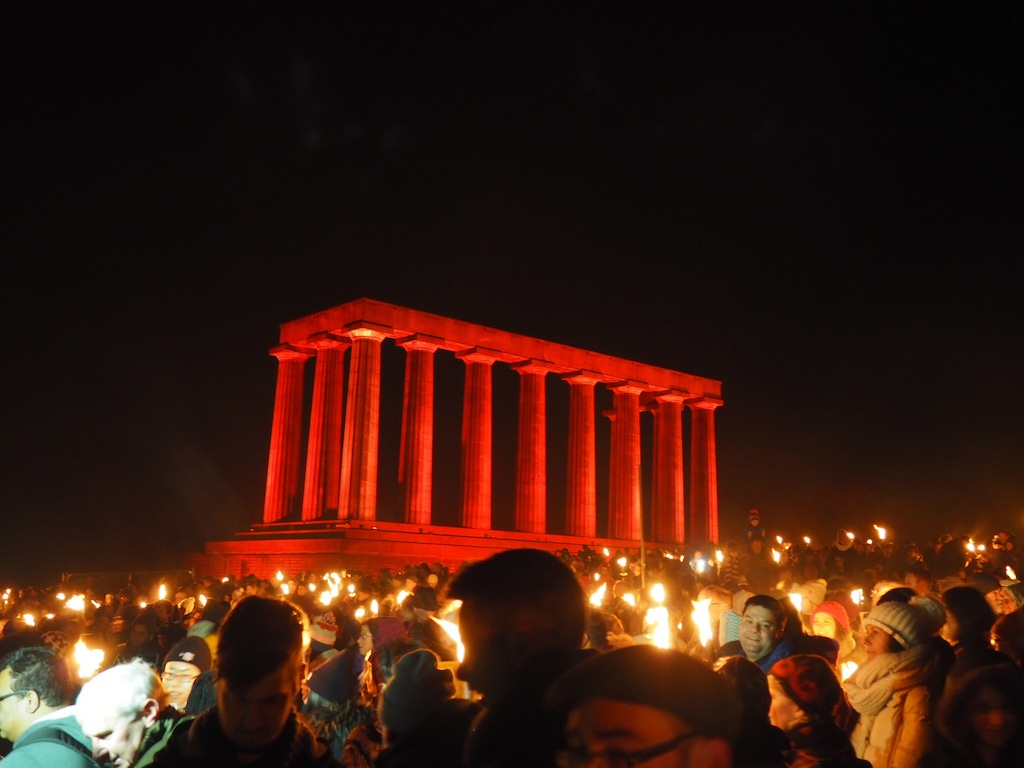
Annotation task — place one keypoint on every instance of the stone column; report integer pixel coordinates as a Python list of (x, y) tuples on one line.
[(285, 434), (667, 498), (323, 452), (581, 485), (703, 473), (625, 521), (416, 459), (357, 498), (531, 461), (476, 440), (614, 470)]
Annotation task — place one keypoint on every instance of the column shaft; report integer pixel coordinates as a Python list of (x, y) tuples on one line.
[(323, 452), (357, 498), (581, 486), (476, 442), (416, 460), (703, 474), (531, 462), (285, 435), (625, 522), (669, 508)]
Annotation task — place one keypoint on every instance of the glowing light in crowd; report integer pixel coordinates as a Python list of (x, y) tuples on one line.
[(374, 607), (779, 540), (657, 618), (29, 619), (857, 596), (628, 597), (719, 555), (202, 600), (606, 552), (807, 540), (360, 613), (702, 619), (351, 589), (312, 586), (847, 668), (881, 533), (776, 555), (400, 597), (658, 593), (970, 545), (453, 632), (851, 535), (797, 600), (143, 603), (88, 659), (597, 598), (326, 597), (280, 577), (1011, 574), (162, 592), (981, 547), (76, 602), (61, 596), (225, 580), (284, 589), (622, 562), (597, 577), (700, 565)]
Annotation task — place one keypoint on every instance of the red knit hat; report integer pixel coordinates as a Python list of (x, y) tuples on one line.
[(811, 682), (836, 611)]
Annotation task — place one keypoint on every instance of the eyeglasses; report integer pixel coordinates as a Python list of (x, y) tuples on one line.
[(178, 677), (570, 758), (16, 693)]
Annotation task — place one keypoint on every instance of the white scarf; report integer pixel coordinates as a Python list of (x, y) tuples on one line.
[(873, 684)]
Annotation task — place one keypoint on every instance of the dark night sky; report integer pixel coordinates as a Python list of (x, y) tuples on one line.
[(820, 208)]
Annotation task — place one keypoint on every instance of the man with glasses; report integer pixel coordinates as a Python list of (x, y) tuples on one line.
[(185, 661), (35, 692), (644, 706)]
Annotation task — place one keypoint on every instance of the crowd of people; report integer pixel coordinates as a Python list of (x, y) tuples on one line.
[(764, 652)]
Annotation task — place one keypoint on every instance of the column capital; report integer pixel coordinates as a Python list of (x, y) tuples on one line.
[(670, 396), (420, 341), (583, 376), (367, 333), (532, 366), (364, 329), (329, 340), (628, 387), (705, 403), (479, 355), (290, 352)]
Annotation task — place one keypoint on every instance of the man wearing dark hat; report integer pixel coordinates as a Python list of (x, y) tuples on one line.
[(421, 607), (642, 704), (186, 660)]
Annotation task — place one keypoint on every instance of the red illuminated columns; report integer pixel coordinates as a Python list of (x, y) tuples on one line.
[(531, 463), (624, 514), (703, 473), (477, 439), (323, 454), (581, 486), (285, 434), (416, 461), (358, 492), (667, 498)]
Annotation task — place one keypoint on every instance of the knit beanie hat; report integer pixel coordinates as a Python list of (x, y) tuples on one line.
[(416, 690), (387, 628), (904, 622), (811, 682), (192, 650), (337, 678), (323, 631), (837, 612)]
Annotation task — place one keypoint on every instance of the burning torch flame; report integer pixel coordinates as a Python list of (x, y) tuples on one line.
[(88, 659), (797, 600), (1011, 573), (702, 618), (453, 633), (776, 555), (881, 533), (162, 592), (597, 598), (280, 577), (847, 668), (857, 596)]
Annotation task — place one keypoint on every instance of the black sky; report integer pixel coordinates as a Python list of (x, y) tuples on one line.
[(820, 208)]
